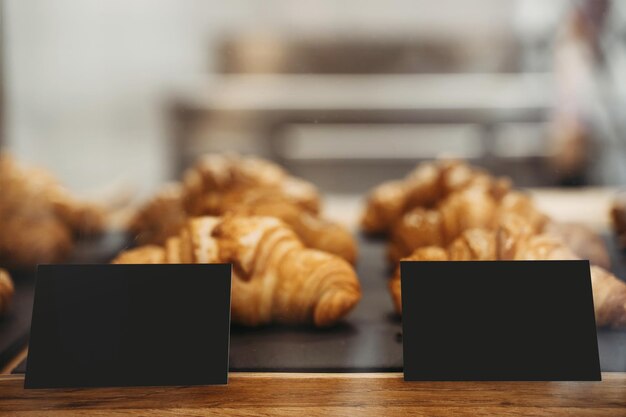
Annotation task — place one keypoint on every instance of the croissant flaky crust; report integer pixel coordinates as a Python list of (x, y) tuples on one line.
[(39, 218), (423, 187), (438, 201), (472, 207), (227, 183), (618, 217), (515, 239), (276, 279), (6, 291)]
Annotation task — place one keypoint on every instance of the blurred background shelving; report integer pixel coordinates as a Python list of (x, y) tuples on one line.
[(345, 94)]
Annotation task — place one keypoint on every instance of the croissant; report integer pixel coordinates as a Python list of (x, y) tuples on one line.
[(472, 207), (6, 291), (313, 231), (582, 240), (161, 218), (426, 185), (221, 184), (515, 239), (217, 175), (618, 217), (438, 201), (40, 219), (275, 278)]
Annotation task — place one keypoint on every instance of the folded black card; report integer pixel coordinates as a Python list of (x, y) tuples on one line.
[(129, 325), (509, 320)]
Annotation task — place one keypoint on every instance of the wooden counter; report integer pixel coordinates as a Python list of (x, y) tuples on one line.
[(326, 394)]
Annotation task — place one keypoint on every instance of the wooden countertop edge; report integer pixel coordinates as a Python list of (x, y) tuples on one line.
[(247, 392), (619, 376)]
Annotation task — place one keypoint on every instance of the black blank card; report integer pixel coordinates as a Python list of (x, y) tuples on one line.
[(129, 325), (509, 320)]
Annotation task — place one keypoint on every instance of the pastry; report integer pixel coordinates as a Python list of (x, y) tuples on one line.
[(161, 217), (438, 201), (618, 217), (221, 184), (276, 279), (39, 218), (471, 207), (217, 175), (424, 187), (582, 240), (6, 291), (515, 239)]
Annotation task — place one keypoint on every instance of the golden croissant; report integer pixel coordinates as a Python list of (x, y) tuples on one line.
[(618, 218), (515, 239), (472, 207), (276, 279), (39, 218), (6, 291), (438, 201), (221, 184), (423, 187)]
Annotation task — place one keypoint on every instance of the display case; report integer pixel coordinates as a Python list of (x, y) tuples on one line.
[(314, 147)]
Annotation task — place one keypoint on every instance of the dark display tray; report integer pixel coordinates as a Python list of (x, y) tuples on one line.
[(369, 339)]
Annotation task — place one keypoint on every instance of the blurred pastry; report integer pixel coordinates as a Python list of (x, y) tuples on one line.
[(618, 217), (515, 239), (161, 217), (147, 254), (275, 278), (472, 207), (582, 240), (6, 292), (225, 183), (438, 201), (39, 218), (424, 187)]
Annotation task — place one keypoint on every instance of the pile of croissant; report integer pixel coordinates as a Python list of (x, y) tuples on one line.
[(39, 219), (220, 184), (448, 210), (290, 265), (276, 279)]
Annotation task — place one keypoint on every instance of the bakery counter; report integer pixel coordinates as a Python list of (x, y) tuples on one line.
[(283, 371), (326, 394)]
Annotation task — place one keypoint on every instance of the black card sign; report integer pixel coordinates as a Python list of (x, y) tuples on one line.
[(508, 320), (129, 325)]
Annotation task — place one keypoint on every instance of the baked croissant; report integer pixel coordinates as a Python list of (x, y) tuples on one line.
[(438, 201), (313, 231), (215, 176), (161, 217), (275, 278), (39, 219), (221, 184), (515, 239), (472, 207), (618, 218), (6, 291), (424, 187), (582, 240)]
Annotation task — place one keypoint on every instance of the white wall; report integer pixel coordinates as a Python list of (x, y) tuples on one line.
[(87, 80)]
